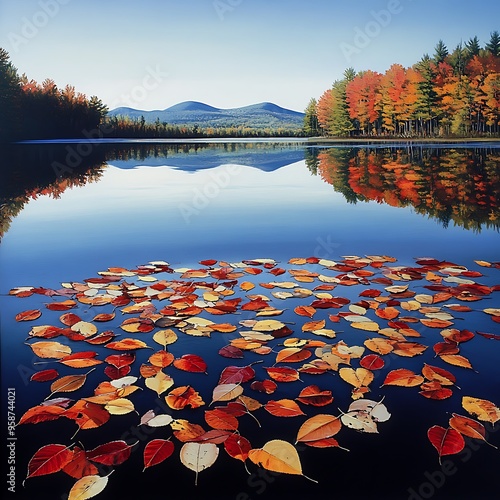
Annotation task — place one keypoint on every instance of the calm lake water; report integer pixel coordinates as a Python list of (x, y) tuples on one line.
[(69, 211)]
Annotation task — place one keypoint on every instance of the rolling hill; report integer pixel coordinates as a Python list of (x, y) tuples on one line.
[(260, 115)]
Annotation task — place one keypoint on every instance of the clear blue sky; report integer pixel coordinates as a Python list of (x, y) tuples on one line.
[(151, 54)]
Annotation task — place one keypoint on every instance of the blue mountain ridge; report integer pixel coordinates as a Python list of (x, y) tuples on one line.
[(261, 115)]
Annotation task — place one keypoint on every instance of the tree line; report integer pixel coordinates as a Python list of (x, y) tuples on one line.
[(30, 110), (455, 93)]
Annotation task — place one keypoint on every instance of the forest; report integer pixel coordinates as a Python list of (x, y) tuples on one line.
[(447, 94), (29, 110)]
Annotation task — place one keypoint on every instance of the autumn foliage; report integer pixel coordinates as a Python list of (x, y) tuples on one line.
[(448, 94)]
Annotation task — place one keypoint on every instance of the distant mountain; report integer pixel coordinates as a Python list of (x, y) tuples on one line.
[(262, 115)]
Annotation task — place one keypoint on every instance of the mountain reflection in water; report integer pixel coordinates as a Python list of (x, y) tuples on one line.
[(459, 185)]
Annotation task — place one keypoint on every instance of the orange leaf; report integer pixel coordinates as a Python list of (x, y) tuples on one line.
[(30, 315), (305, 311), (403, 378), (318, 427), (183, 396), (284, 408), (314, 396), (293, 355), (221, 420), (283, 374), (313, 325)]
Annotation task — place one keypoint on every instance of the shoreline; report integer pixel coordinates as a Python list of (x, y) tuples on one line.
[(417, 140)]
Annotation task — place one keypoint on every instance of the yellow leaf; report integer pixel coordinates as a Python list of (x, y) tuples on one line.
[(357, 378), (119, 406), (278, 456), (87, 487), (159, 383), (50, 349), (481, 408), (165, 337)]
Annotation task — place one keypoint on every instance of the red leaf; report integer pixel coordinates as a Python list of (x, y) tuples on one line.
[(237, 447), (208, 262), (214, 436), (45, 375), (490, 336), (446, 441), (191, 363), (41, 413), (313, 395), (156, 451), (49, 459), (65, 305), (69, 319), (115, 373), (112, 453), (445, 348), (221, 420), (434, 390), (266, 386), (372, 362), (79, 465), (230, 351), (30, 315), (236, 374), (120, 360)]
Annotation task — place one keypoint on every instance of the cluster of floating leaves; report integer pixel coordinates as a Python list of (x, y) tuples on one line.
[(162, 303)]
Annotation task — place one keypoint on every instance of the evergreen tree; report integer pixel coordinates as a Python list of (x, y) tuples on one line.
[(493, 47), (458, 59), (311, 125), (472, 47), (440, 52), (10, 94)]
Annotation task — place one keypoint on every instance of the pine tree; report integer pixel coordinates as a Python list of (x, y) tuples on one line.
[(311, 125), (10, 93), (493, 47), (472, 47), (440, 52)]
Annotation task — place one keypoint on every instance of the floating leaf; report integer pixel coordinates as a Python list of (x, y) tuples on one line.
[(126, 345), (446, 441), (120, 406), (198, 456), (403, 378), (482, 409), (49, 459), (265, 386), (221, 420), (372, 362), (41, 413), (237, 447), (44, 375), (68, 383), (30, 315), (183, 396), (226, 392), (157, 451), (314, 396), (165, 337), (283, 374), (468, 427), (79, 466), (284, 408), (159, 383), (278, 456), (318, 427), (112, 453), (88, 487), (50, 349), (191, 363)]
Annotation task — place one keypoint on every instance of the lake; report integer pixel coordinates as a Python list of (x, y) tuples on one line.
[(72, 210)]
